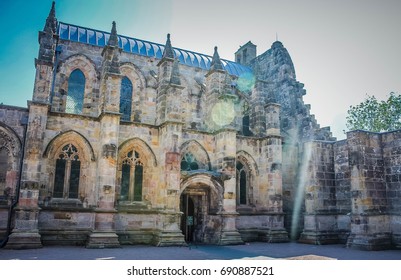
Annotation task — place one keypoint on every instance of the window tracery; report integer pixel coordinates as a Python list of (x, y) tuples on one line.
[(67, 174), (132, 177), (242, 183), (189, 162)]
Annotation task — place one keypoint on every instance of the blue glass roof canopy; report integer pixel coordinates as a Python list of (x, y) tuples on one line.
[(141, 47)]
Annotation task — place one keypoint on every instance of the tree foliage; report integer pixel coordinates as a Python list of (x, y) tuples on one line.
[(376, 116)]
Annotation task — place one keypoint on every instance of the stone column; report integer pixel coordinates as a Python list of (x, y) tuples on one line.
[(272, 196), (370, 225), (25, 234), (169, 232), (391, 143), (31, 174), (320, 218), (103, 234), (226, 145)]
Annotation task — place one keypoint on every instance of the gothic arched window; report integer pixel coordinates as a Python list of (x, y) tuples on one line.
[(3, 168), (242, 182), (245, 120), (125, 99), (76, 90), (189, 162), (68, 169), (132, 177)]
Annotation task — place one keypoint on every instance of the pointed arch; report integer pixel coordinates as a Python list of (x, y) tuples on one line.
[(10, 158), (194, 154), (70, 136), (134, 73), (79, 61), (136, 162), (205, 179), (246, 158), (141, 146), (9, 139), (69, 155), (63, 83), (246, 172), (138, 98)]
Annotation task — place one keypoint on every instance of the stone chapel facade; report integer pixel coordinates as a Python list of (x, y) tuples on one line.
[(126, 141)]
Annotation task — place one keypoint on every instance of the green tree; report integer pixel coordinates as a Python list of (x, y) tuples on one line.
[(376, 116)]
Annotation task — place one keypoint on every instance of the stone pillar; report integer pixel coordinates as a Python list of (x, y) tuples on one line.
[(103, 234), (226, 145), (370, 223), (169, 232), (391, 143), (31, 173), (320, 218), (343, 190), (25, 234), (272, 192), (258, 112)]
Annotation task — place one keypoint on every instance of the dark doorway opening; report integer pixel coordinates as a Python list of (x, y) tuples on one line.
[(188, 218)]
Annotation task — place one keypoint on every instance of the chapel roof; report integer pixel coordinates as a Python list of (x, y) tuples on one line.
[(99, 38)]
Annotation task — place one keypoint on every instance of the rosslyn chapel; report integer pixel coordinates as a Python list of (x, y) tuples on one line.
[(126, 141)]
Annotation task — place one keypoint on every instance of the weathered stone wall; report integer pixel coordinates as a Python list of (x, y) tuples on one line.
[(12, 120), (320, 225), (141, 71), (327, 190), (343, 189), (370, 228), (391, 143)]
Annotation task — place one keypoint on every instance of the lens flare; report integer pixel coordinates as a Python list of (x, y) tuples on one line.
[(300, 193), (246, 82), (223, 113)]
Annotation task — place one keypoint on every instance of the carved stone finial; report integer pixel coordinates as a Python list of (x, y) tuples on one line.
[(168, 49), (216, 62), (113, 40), (51, 21)]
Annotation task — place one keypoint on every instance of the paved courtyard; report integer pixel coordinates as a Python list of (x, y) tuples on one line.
[(256, 250)]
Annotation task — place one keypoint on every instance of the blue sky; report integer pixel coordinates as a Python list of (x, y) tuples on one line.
[(342, 50)]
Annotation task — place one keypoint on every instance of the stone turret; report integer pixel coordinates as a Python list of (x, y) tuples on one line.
[(45, 61), (219, 98), (111, 53), (245, 53), (169, 90), (25, 234), (104, 235), (110, 73), (46, 37), (216, 62)]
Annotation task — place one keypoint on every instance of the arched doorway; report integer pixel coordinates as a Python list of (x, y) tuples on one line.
[(201, 203), (194, 204)]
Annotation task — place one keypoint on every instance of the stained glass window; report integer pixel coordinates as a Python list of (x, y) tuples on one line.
[(189, 162), (241, 183), (132, 177), (76, 90), (126, 99), (245, 120), (68, 169)]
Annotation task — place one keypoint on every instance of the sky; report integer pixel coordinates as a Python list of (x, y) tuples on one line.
[(342, 50)]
